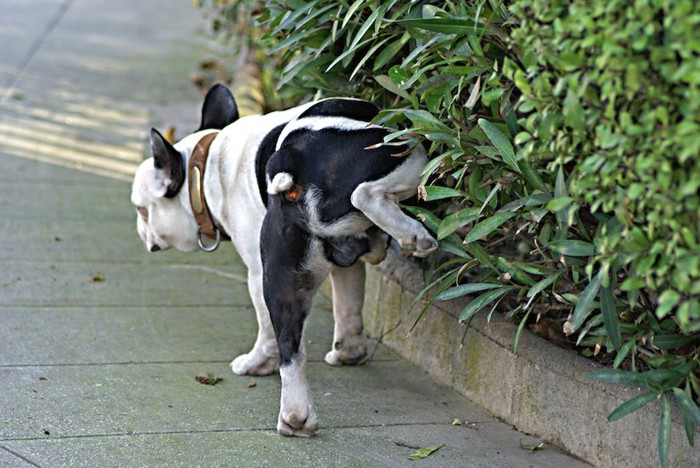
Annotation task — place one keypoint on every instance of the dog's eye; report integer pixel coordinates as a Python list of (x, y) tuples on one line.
[(143, 211)]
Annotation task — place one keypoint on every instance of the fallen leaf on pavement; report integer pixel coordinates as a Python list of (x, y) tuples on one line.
[(421, 453)]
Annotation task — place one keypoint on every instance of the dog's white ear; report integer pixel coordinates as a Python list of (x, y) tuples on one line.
[(219, 109), (169, 161)]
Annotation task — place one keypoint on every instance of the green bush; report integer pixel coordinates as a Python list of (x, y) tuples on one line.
[(565, 139)]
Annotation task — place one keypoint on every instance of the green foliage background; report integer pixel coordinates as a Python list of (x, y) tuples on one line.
[(565, 177)]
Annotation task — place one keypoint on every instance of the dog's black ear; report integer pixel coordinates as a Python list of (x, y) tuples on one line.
[(219, 108), (169, 160)]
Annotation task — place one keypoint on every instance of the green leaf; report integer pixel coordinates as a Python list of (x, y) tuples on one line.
[(480, 302), (632, 284), (532, 447), (585, 303), (424, 452), (572, 248), (667, 342), (532, 177), (464, 289), (667, 300), (390, 51), (455, 221), (573, 112), (387, 84), (611, 320), (500, 141), (543, 284), (665, 431), (482, 255), (351, 11), (616, 376), (631, 405), (438, 193), (426, 217), (519, 331), (487, 226), (687, 405), (457, 422), (559, 203), (462, 26)]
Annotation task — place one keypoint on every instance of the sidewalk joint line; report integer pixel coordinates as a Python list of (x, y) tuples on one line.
[(212, 431), (21, 457), (35, 47)]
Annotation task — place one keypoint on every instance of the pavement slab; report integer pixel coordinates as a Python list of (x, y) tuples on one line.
[(100, 341)]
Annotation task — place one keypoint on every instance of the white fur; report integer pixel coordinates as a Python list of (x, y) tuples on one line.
[(282, 182), (319, 123), (350, 224), (297, 416), (378, 200)]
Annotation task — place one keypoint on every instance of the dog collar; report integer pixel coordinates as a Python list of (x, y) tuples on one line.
[(197, 163)]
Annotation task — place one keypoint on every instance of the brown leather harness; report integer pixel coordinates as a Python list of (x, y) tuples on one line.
[(196, 167)]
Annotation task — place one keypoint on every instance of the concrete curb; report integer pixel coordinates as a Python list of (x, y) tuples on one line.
[(541, 390)]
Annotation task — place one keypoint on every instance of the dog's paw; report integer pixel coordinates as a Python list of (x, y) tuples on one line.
[(420, 245), (298, 422), (349, 351), (254, 363)]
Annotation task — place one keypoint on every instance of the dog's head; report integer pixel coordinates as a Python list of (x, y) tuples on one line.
[(164, 217)]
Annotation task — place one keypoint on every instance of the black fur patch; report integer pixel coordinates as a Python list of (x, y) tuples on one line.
[(265, 151), (344, 251), (335, 162), (338, 107)]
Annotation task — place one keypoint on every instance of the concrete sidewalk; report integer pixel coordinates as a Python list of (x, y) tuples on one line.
[(100, 342)]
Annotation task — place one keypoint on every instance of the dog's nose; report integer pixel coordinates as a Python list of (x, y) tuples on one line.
[(155, 248)]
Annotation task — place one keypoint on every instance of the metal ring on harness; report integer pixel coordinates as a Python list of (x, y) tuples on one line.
[(216, 244)]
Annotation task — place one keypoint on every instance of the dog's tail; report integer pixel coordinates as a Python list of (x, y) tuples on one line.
[(281, 182), (281, 170)]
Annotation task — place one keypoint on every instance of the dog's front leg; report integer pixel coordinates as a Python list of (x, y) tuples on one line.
[(349, 341), (263, 359)]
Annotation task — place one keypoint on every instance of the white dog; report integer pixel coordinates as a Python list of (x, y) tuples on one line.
[(300, 193)]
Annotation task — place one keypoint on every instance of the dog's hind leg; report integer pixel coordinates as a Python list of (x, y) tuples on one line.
[(379, 200), (263, 359), (349, 341), (294, 267)]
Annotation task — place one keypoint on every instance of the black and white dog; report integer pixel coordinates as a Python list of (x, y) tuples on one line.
[(301, 193)]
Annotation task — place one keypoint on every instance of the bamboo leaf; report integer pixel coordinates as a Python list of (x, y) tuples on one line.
[(500, 141), (610, 318), (464, 26), (585, 303), (631, 405), (480, 254), (519, 331), (435, 192), (487, 226), (542, 285), (667, 342), (572, 248), (687, 405), (464, 289), (480, 302)]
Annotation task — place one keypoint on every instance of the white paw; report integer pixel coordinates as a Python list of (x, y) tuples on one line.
[(420, 245), (298, 421), (255, 363), (350, 350)]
